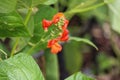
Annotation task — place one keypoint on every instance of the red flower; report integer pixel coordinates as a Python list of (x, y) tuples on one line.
[(61, 22), (55, 47), (52, 42), (46, 24), (65, 35), (57, 17)]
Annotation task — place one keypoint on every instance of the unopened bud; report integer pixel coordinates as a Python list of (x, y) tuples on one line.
[(42, 40), (60, 34), (51, 34)]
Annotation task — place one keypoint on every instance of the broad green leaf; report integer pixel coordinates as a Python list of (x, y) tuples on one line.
[(24, 3), (114, 15), (20, 67), (36, 2), (46, 2), (72, 57), (7, 6), (79, 76), (80, 3), (31, 3), (49, 2), (51, 65), (11, 25), (83, 40)]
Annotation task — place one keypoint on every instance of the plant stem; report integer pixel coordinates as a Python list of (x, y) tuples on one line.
[(28, 16), (3, 52), (25, 23), (14, 47)]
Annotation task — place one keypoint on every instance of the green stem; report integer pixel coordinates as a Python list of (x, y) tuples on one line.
[(28, 16), (14, 47), (25, 23), (3, 52)]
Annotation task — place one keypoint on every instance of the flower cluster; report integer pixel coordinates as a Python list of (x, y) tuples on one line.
[(61, 22)]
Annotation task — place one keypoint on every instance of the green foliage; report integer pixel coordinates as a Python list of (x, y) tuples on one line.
[(37, 2), (80, 3), (30, 3), (114, 15), (49, 2), (83, 40), (106, 62), (72, 57), (79, 76), (20, 67), (11, 25), (79, 6), (51, 66), (7, 6)]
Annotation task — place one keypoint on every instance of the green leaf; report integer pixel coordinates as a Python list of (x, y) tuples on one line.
[(36, 2), (24, 3), (114, 15), (33, 3), (51, 65), (79, 76), (83, 40), (49, 2), (80, 3), (7, 6), (11, 25), (20, 67)]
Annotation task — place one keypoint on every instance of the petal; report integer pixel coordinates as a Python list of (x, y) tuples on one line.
[(65, 35), (65, 38), (51, 42), (56, 48), (46, 24), (57, 17)]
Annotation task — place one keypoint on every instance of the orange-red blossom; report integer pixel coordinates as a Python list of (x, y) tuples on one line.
[(53, 44)]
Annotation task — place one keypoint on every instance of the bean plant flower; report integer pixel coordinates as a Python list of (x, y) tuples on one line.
[(61, 22)]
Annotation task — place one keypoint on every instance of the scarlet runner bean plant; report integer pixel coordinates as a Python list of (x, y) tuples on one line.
[(29, 27)]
